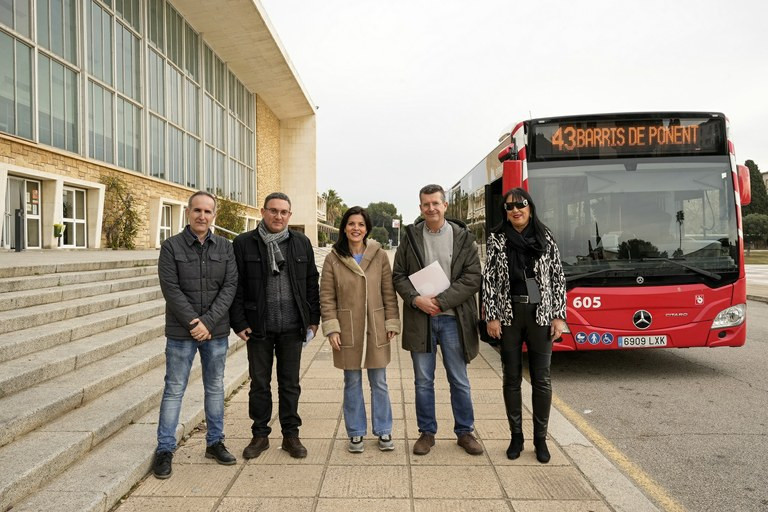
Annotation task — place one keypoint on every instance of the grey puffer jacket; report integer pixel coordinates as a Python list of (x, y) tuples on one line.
[(198, 281), (465, 278)]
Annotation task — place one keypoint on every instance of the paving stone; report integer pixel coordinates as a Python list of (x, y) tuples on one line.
[(265, 505), (398, 430), (325, 383), (362, 505), (473, 505), (264, 480), (309, 396), (162, 504), (340, 456), (556, 482), (327, 410), (318, 429), (499, 429), (190, 480), (365, 482), (463, 482), (497, 451), (559, 506)]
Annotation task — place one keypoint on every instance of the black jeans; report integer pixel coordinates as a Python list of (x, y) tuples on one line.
[(537, 340), (286, 348)]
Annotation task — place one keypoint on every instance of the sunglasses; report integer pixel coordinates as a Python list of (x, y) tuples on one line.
[(516, 204)]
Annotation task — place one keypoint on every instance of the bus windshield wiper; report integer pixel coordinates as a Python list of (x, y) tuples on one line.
[(576, 277), (698, 270)]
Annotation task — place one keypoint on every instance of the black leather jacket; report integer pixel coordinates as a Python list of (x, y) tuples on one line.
[(198, 281), (249, 308)]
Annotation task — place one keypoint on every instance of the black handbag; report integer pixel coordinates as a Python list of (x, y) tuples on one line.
[(482, 330)]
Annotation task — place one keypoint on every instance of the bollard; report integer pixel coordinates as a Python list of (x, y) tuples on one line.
[(19, 219)]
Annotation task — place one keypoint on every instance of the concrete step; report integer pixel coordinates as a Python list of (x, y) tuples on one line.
[(18, 284), (33, 339), (26, 410), (110, 440), (80, 266), (48, 313), (61, 293), (26, 371)]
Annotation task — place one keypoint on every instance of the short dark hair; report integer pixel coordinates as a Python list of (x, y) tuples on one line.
[(431, 189), (277, 195), (342, 244), (202, 193)]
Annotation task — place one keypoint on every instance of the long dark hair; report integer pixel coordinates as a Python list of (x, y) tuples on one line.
[(518, 194), (342, 244)]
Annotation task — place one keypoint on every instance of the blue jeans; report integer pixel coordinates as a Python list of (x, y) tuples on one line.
[(354, 403), (445, 332), (179, 355)]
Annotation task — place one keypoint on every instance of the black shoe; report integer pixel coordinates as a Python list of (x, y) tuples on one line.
[(162, 465), (219, 452), (542, 452), (515, 446), (256, 446), (294, 447)]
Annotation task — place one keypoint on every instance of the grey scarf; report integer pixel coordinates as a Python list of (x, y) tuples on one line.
[(276, 258)]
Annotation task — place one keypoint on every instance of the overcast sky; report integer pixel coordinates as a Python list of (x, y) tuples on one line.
[(412, 92)]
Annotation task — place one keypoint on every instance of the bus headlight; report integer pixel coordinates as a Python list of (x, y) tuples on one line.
[(730, 317)]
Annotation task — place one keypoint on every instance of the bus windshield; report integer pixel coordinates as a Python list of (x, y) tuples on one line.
[(667, 220)]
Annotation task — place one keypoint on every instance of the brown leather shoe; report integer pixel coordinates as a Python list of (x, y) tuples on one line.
[(423, 444), (470, 444), (256, 446), (294, 447)]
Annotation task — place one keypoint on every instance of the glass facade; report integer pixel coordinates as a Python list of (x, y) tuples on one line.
[(129, 83)]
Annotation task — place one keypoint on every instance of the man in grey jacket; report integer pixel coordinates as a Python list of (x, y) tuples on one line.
[(447, 319), (198, 277)]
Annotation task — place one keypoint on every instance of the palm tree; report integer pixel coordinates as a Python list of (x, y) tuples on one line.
[(334, 206)]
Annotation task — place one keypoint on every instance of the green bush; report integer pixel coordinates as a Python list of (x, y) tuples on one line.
[(229, 215), (121, 222)]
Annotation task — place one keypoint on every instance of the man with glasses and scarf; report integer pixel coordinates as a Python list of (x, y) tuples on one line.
[(277, 302)]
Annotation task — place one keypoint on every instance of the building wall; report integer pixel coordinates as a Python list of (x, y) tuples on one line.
[(145, 189), (298, 157), (267, 151)]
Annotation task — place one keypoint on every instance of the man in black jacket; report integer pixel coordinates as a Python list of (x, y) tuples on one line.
[(198, 277), (276, 306)]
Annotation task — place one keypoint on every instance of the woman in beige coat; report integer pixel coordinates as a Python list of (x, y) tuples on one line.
[(360, 318)]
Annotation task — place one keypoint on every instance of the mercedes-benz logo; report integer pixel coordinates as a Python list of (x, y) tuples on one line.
[(642, 319), (640, 280)]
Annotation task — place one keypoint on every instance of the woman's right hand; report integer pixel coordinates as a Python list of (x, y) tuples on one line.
[(494, 329), (335, 340)]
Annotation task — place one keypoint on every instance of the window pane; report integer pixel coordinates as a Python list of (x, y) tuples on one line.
[(57, 26), (70, 31), (100, 44), (80, 204), (57, 104), (100, 131), (6, 13), (127, 62), (43, 23), (175, 155), (7, 89), (156, 69), (210, 175), (193, 167), (44, 99), (129, 11), (191, 44), (251, 187), (173, 30), (155, 22), (221, 170), (157, 147), (191, 112), (175, 95), (71, 110), (24, 90), (128, 135), (80, 228)]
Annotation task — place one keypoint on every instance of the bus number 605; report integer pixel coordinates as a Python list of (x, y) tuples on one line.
[(586, 302)]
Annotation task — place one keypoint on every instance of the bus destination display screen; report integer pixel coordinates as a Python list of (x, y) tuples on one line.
[(616, 138)]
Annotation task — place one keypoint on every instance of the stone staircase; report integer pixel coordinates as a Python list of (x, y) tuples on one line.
[(81, 377)]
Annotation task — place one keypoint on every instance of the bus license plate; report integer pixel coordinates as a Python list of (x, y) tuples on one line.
[(643, 341)]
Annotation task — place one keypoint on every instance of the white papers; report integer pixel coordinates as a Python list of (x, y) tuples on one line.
[(430, 280), (310, 334)]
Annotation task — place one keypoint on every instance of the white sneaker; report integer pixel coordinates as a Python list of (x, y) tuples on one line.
[(386, 444), (356, 444)]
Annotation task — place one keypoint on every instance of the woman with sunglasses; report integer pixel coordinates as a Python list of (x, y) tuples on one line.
[(360, 319), (523, 299)]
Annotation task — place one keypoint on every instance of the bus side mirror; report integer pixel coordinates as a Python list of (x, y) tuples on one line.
[(512, 175), (745, 188)]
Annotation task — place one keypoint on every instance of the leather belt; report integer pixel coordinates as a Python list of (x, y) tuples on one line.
[(522, 299)]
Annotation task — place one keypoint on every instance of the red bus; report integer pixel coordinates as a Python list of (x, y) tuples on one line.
[(646, 210)]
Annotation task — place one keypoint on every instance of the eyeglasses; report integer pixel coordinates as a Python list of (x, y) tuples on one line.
[(516, 204), (275, 212)]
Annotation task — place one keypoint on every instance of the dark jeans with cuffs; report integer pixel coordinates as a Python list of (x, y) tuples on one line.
[(286, 348), (537, 340)]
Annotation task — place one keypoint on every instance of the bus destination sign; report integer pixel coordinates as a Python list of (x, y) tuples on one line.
[(616, 138)]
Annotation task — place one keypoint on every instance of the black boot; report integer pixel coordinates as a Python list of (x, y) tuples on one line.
[(542, 452), (515, 445)]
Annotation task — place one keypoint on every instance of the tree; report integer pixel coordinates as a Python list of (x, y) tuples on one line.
[(756, 228), (381, 214), (380, 235), (121, 221), (334, 207), (230, 216), (759, 202)]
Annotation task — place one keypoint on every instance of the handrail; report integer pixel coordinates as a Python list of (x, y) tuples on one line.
[(225, 230)]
